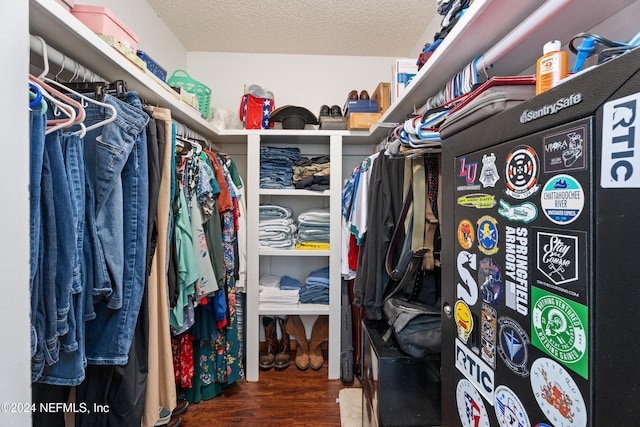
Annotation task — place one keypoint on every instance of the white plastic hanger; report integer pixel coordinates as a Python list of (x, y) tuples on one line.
[(44, 78)]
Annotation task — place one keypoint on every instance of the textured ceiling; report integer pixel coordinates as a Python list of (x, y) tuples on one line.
[(320, 27)]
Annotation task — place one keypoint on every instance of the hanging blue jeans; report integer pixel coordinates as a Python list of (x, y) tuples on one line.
[(36, 154), (69, 369), (117, 171)]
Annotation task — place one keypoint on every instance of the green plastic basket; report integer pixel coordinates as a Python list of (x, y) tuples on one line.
[(182, 79)]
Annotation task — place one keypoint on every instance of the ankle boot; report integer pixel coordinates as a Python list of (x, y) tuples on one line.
[(295, 328), (267, 360), (283, 356), (319, 334)]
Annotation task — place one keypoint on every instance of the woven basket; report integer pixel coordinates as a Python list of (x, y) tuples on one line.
[(182, 79)]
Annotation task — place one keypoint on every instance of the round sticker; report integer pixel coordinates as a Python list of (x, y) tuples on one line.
[(562, 199), (513, 342), (509, 410), (488, 235), (557, 394), (465, 234), (521, 172), (470, 406)]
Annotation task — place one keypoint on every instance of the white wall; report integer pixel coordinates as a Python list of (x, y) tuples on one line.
[(305, 80), (15, 360), (154, 36)]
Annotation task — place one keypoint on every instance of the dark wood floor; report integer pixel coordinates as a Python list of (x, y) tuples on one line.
[(281, 398)]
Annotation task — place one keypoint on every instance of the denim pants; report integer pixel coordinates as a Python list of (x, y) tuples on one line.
[(116, 166), (36, 154), (69, 369)]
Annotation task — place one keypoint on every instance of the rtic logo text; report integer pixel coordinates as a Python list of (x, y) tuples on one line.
[(620, 160), (475, 370)]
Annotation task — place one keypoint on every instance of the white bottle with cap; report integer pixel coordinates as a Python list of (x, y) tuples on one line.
[(551, 66)]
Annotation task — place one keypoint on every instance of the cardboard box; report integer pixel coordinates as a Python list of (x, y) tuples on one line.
[(382, 94), (101, 20), (362, 121), (403, 71)]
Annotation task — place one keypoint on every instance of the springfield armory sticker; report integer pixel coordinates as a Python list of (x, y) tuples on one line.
[(562, 199), (489, 173), (521, 173), (565, 150), (620, 160), (557, 394), (524, 212), (561, 262), (516, 269), (470, 405), (559, 328), (477, 200), (475, 370)]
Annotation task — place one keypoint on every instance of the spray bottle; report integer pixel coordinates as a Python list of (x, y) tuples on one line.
[(551, 67)]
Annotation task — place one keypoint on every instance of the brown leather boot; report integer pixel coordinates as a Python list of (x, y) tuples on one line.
[(283, 356), (295, 328), (319, 334), (267, 360)]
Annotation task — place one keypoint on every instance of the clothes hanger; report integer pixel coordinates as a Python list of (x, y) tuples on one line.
[(65, 101), (79, 116), (111, 108), (60, 107)]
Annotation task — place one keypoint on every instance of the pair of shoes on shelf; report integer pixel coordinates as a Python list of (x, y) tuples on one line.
[(353, 95), (277, 355), (309, 353), (334, 111)]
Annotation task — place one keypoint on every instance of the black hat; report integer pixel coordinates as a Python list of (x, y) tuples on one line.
[(293, 117)]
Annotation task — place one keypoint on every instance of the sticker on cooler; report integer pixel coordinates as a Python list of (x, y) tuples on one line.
[(471, 408), (562, 199), (620, 162), (509, 409), (557, 394)]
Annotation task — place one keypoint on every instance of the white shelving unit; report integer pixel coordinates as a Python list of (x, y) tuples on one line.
[(296, 263)]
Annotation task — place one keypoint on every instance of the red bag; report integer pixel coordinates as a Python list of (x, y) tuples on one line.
[(254, 112)]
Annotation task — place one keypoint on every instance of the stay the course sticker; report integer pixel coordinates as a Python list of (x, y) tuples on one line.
[(562, 199)]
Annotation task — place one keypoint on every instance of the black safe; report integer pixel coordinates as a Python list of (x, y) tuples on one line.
[(398, 389)]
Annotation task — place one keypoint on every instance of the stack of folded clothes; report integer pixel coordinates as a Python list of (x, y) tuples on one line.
[(272, 293), (313, 229), (316, 287), (312, 174), (276, 166), (277, 227)]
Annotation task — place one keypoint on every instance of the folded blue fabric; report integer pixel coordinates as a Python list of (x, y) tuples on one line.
[(289, 283)]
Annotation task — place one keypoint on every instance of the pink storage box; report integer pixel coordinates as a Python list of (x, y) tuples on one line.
[(100, 20)]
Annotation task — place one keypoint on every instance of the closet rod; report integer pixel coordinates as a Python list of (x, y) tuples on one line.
[(53, 56), (522, 31)]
